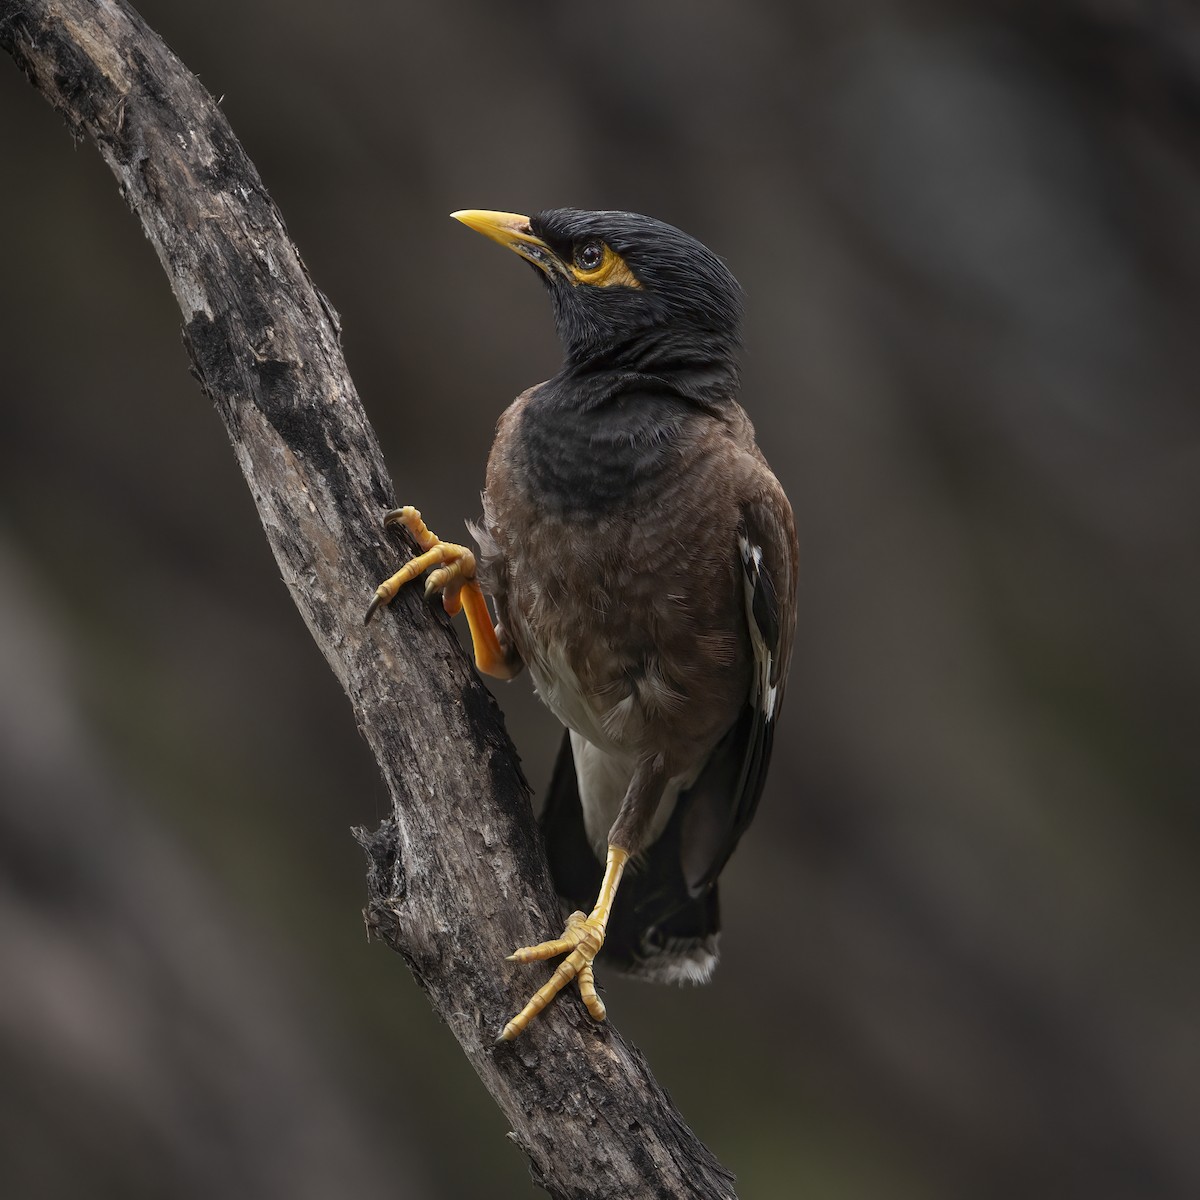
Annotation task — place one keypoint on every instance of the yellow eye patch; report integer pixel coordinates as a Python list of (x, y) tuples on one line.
[(611, 271)]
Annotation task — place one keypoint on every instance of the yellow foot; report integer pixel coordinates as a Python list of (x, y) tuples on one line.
[(455, 579), (455, 565), (580, 942)]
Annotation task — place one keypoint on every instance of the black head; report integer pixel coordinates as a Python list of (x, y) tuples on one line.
[(629, 292)]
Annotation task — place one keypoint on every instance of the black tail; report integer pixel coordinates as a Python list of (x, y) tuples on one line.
[(658, 929)]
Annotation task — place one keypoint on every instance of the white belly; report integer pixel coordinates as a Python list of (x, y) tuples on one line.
[(604, 780), (608, 736), (559, 689)]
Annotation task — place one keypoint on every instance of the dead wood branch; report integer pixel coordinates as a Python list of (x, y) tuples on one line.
[(457, 877)]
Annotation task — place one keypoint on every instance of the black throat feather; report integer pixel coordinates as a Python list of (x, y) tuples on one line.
[(603, 432), (589, 460)]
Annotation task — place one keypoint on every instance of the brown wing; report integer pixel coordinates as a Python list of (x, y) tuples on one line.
[(722, 801)]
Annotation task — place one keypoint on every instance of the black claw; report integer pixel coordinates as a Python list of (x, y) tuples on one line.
[(371, 608)]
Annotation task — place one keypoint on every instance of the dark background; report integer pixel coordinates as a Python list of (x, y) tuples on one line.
[(960, 955)]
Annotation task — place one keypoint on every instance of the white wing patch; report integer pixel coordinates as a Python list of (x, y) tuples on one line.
[(765, 692)]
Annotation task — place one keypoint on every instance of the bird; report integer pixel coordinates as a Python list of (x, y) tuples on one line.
[(641, 558)]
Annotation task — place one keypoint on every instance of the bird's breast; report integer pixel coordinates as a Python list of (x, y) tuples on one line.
[(612, 557), (624, 621)]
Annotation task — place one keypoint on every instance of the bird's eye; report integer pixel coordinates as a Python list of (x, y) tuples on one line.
[(589, 255)]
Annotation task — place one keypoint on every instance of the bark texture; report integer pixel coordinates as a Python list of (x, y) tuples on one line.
[(457, 877)]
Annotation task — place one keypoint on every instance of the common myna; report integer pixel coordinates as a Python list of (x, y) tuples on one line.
[(641, 557)]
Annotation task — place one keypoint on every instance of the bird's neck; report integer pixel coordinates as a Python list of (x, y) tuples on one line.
[(699, 370), (572, 458)]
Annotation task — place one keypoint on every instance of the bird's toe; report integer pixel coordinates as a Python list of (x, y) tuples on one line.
[(580, 942)]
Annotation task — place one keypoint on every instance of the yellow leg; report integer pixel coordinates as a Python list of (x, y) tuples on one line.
[(490, 658), (580, 942), (455, 579)]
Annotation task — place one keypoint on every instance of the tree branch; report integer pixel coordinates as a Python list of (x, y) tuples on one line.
[(457, 877)]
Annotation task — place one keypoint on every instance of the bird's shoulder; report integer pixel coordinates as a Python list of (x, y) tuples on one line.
[(504, 443), (755, 495)]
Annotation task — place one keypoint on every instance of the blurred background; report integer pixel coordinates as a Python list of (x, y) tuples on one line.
[(960, 951)]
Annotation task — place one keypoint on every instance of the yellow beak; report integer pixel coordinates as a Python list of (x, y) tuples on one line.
[(512, 230)]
